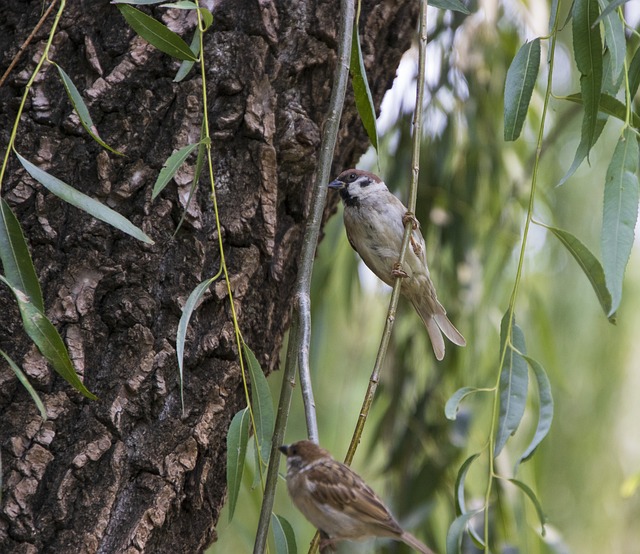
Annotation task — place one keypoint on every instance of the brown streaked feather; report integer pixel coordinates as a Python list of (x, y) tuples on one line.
[(338, 486)]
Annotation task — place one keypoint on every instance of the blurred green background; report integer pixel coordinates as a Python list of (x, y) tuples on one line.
[(474, 189)]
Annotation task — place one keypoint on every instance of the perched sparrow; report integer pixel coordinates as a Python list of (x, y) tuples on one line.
[(374, 219), (336, 500)]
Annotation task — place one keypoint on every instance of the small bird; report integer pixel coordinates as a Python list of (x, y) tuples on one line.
[(336, 500), (374, 220)]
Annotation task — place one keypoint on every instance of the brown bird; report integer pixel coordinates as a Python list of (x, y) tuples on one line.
[(374, 220), (336, 500)]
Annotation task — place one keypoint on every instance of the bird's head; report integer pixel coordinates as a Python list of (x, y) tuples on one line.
[(356, 186), (302, 453)]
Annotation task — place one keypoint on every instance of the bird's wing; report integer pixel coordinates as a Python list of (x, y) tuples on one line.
[(336, 485)]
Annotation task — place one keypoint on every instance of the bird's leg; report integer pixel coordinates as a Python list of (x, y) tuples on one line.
[(397, 271), (410, 216), (326, 543)]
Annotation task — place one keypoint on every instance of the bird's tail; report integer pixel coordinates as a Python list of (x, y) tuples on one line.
[(414, 543), (436, 321)]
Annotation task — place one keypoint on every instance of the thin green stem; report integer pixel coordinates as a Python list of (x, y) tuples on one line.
[(27, 88)]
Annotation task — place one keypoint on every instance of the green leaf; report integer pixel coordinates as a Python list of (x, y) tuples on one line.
[(545, 410), (25, 383), (461, 507), (170, 168), (16, 260), (553, 14), (621, 196), (451, 407), (615, 41), (456, 530), (536, 503), (361, 90), (181, 5), (186, 65), (284, 537), (587, 45), (634, 77), (454, 5), (156, 34), (196, 177), (521, 79), (46, 338), (610, 106), (181, 334), (137, 2), (514, 381), (237, 440), (81, 109), (207, 18), (82, 201), (589, 264), (261, 403), (614, 4)]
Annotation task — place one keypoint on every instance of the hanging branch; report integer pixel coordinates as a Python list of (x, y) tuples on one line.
[(300, 332)]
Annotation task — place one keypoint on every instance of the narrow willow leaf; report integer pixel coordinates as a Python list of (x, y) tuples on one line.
[(261, 403), (589, 264), (81, 109), (237, 440), (156, 34), (552, 17), (514, 381), (16, 260), (534, 499), (456, 530), (620, 214), (196, 177), (615, 40), (181, 5), (461, 507), (181, 334), (454, 5), (361, 90), (170, 168), (46, 338), (610, 106), (451, 407), (518, 88), (284, 537), (614, 4), (583, 148), (587, 47), (137, 2), (634, 76), (186, 65), (207, 18), (25, 383), (545, 409), (84, 202)]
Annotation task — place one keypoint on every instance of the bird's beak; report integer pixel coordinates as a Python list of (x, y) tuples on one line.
[(336, 185), (284, 449)]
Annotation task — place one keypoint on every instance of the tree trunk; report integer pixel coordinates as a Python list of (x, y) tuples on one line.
[(130, 472)]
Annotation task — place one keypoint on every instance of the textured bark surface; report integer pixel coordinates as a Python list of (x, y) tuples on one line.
[(130, 472)]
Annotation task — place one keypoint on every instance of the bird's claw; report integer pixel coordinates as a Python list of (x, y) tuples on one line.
[(410, 217), (398, 272)]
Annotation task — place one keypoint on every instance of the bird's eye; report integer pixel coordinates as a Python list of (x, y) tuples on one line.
[(352, 177)]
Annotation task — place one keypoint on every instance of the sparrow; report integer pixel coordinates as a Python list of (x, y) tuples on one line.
[(336, 500), (374, 220)]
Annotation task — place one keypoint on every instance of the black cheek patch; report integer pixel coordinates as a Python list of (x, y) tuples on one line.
[(365, 183)]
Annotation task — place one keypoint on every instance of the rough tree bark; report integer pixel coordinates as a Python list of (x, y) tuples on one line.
[(128, 472)]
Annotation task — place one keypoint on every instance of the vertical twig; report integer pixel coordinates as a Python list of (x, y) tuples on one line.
[(413, 193), (300, 333), (395, 294)]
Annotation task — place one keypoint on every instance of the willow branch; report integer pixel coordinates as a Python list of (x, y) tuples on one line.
[(300, 333)]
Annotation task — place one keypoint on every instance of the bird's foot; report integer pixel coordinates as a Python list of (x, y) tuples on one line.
[(398, 272), (411, 217)]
